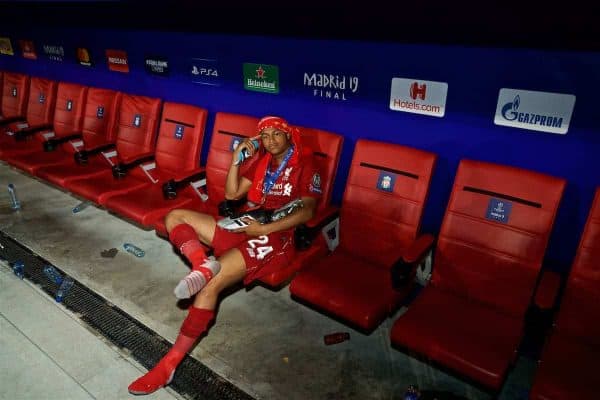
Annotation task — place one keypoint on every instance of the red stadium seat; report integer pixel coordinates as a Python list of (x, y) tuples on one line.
[(98, 134), (489, 254), (177, 156), (380, 218), (567, 368), (59, 147), (136, 141), (15, 92), (227, 128), (40, 114)]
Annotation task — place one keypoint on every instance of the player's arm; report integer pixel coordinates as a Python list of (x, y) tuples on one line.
[(235, 185)]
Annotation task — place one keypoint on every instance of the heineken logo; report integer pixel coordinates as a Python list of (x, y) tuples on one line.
[(261, 78)]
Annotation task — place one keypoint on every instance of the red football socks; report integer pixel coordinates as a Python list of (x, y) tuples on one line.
[(195, 324), (185, 238)]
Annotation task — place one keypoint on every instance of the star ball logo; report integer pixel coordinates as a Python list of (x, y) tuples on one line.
[(261, 78)]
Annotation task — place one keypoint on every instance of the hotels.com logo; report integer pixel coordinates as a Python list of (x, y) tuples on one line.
[(418, 91), (409, 95)]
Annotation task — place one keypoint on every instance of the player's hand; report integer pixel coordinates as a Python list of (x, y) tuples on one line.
[(254, 228), (246, 144)]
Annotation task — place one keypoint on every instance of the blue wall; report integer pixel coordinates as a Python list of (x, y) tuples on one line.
[(474, 76)]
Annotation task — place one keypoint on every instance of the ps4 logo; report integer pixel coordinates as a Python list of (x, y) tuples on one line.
[(204, 71)]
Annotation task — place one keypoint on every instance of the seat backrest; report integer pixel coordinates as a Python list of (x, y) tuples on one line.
[(180, 137), (42, 99), (327, 148), (100, 117), (383, 202), (228, 129), (70, 104), (138, 122), (494, 234), (580, 309), (15, 92)]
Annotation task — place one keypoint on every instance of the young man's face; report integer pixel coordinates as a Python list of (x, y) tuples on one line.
[(275, 141)]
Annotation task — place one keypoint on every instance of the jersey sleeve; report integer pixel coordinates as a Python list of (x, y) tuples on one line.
[(310, 181)]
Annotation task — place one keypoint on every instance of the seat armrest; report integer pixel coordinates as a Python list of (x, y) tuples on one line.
[(120, 170), (228, 208), (172, 186), (547, 290), (82, 156), (23, 133), (51, 144), (401, 273), (405, 268), (304, 234), (418, 249)]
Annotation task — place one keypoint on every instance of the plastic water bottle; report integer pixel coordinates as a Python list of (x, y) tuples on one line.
[(80, 207), (136, 251), (64, 288), (245, 154), (19, 269), (53, 274), (412, 393), (14, 201)]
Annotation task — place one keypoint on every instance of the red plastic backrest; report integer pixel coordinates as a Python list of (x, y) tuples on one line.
[(326, 147), (384, 199), (580, 309), (137, 126), (180, 137), (227, 128), (487, 261), (42, 99), (100, 117), (15, 92), (70, 104)]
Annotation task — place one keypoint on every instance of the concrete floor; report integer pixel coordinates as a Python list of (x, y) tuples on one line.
[(264, 342)]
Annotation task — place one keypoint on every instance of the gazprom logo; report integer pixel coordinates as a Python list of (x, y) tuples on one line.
[(540, 111), (510, 111)]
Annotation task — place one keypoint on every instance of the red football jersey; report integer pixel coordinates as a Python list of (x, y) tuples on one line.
[(301, 180)]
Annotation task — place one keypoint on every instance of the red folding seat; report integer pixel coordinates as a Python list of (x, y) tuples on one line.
[(19, 136), (177, 157), (99, 132), (567, 368), (380, 217), (58, 145), (136, 141), (227, 129), (490, 249), (15, 92)]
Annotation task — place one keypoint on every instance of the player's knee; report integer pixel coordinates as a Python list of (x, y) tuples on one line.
[(173, 218)]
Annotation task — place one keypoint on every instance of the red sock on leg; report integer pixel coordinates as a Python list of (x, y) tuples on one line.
[(185, 238), (195, 324)]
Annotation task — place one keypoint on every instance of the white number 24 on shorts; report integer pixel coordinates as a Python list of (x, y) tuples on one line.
[(261, 251)]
